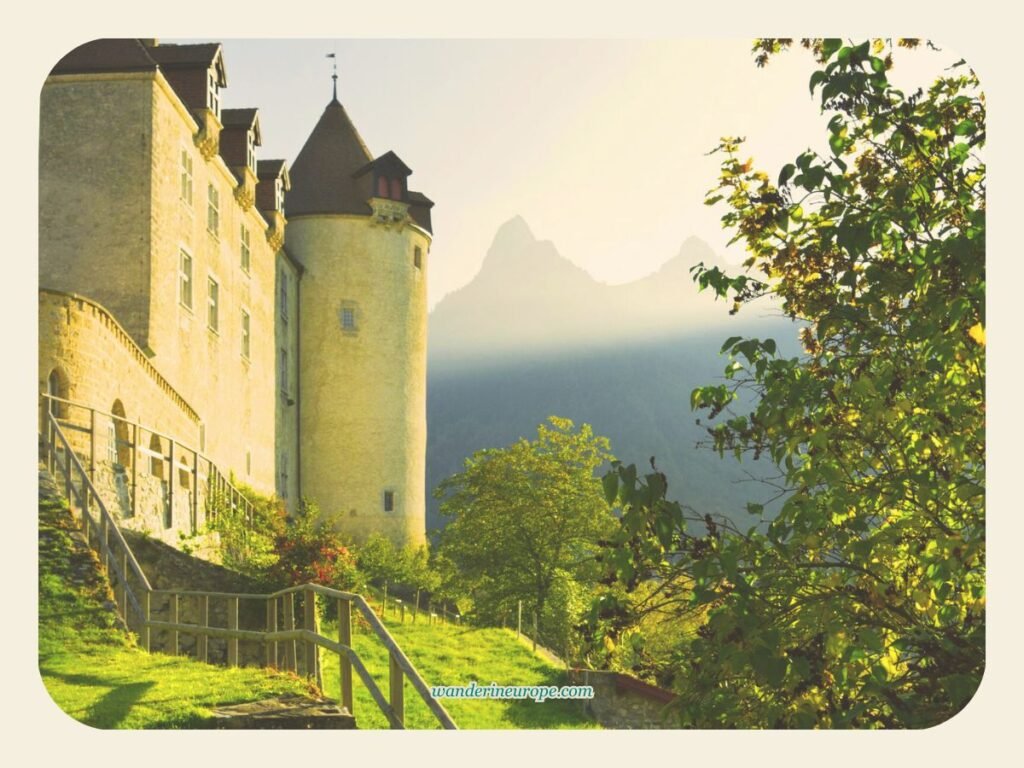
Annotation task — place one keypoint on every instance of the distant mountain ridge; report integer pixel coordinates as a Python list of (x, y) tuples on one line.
[(528, 296), (534, 335)]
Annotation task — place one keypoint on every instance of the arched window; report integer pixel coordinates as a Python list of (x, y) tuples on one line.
[(57, 387), (156, 463), (119, 451), (382, 186), (396, 189)]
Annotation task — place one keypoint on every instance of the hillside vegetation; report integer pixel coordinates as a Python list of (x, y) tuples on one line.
[(92, 669)]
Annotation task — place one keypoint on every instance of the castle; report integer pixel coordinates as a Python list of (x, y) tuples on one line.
[(205, 313)]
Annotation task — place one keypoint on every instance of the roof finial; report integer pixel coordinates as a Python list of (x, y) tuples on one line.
[(334, 77)]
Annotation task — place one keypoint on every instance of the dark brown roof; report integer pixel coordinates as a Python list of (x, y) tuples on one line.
[(186, 56), (242, 118), (106, 55), (418, 198), (271, 169), (389, 163), (322, 174)]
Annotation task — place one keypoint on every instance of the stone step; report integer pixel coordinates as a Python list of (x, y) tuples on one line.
[(290, 712)]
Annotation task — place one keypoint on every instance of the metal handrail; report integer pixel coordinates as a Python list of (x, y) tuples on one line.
[(401, 666)]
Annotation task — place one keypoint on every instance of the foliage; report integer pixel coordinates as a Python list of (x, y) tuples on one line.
[(523, 515), (861, 604), (382, 562), (246, 541), (310, 550)]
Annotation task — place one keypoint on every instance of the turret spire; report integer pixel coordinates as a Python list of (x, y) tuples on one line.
[(334, 76)]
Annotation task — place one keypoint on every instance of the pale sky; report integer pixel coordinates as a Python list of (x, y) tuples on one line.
[(600, 145)]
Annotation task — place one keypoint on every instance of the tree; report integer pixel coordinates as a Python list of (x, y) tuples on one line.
[(861, 603), (523, 514)]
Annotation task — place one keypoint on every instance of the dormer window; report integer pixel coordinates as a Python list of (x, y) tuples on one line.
[(382, 186), (396, 189), (279, 195), (213, 92), (250, 150)]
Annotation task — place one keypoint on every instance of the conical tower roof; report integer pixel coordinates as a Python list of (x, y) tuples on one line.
[(322, 174)]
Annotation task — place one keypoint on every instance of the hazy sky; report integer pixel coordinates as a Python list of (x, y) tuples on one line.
[(600, 145)]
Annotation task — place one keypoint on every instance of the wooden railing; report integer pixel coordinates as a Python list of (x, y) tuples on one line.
[(179, 456), (134, 596)]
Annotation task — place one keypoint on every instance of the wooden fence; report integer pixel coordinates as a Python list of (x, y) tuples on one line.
[(286, 645)]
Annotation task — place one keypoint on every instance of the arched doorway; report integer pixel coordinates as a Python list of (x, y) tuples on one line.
[(156, 469), (119, 447), (56, 387)]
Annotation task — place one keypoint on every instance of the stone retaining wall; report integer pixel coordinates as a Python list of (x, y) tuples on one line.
[(624, 702)]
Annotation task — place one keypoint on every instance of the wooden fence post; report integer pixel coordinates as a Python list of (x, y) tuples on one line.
[(124, 587), (174, 612), (135, 469), (144, 631), (397, 685), (92, 444), (203, 649), (309, 623), (233, 624), (290, 660), (172, 471), (345, 638), (272, 627)]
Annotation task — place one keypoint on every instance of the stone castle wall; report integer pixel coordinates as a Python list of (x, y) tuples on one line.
[(103, 367), (95, 143), (234, 391), (114, 222), (363, 419)]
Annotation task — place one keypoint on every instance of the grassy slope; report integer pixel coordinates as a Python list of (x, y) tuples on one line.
[(94, 672), (452, 655)]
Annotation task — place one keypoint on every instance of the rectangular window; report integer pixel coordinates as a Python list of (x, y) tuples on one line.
[(246, 252), (250, 151), (185, 280), (213, 306), (348, 318), (283, 371), (213, 93), (283, 298), (186, 177), (111, 443), (279, 196), (389, 501), (245, 334), (212, 209), (417, 257)]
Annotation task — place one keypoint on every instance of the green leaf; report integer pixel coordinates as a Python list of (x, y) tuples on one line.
[(611, 486), (786, 174), (965, 128)]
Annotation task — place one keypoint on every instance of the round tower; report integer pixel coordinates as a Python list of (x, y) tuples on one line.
[(362, 238)]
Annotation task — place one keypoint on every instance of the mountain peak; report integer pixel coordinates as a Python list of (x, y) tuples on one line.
[(514, 232)]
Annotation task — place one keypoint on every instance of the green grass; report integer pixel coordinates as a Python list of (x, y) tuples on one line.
[(454, 655), (95, 673)]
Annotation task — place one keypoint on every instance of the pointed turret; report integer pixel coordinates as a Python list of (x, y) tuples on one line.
[(323, 173)]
